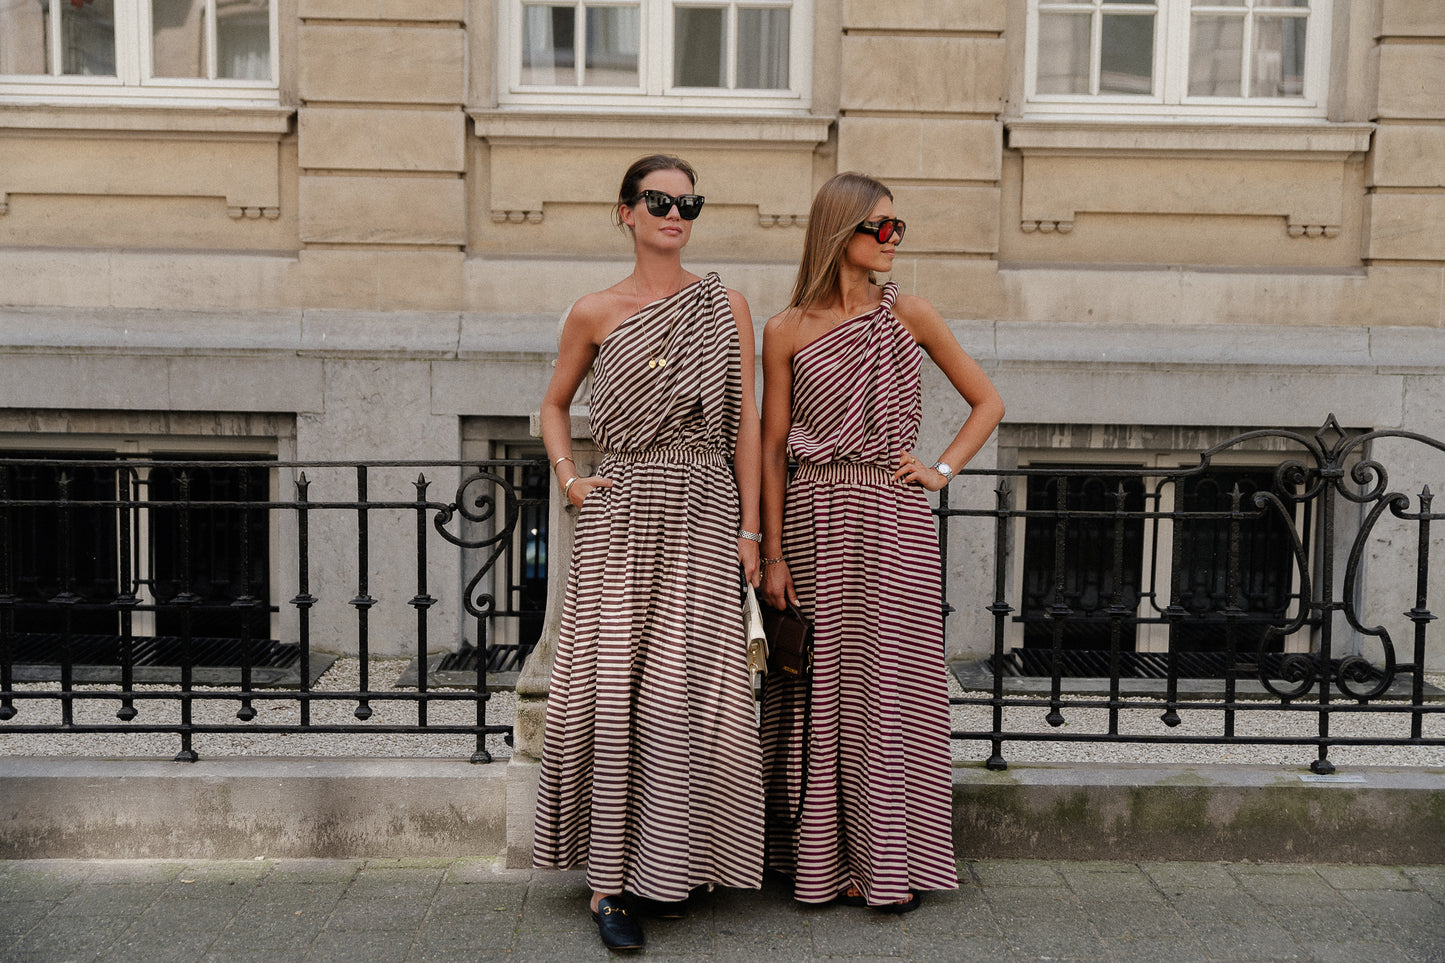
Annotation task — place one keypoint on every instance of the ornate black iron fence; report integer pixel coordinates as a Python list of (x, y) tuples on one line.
[(1241, 583), (158, 586)]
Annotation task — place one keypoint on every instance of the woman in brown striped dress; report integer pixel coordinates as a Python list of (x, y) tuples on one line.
[(851, 541), (651, 770)]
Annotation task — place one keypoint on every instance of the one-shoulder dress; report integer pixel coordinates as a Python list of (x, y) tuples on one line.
[(651, 771), (863, 553)]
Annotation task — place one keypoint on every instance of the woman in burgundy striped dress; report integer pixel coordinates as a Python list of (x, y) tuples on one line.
[(851, 541), (651, 773)]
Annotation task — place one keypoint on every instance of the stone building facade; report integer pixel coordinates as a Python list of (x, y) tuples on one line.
[(346, 229)]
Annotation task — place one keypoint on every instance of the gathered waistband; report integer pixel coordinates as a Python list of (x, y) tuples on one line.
[(846, 472), (666, 456)]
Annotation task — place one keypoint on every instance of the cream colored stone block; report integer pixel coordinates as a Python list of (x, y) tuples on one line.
[(954, 219), (243, 171), (917, 148), (82, 380), (338, 279), (405, 10), (1308, 194), (924, 15), (198, 279), (1410, 85), (1407, 227), (1408, 156), (1412, 18), (66, 278), (364, 139), (382, 64), (777, 184), (140, 222), (420, 280), (383, 210), (960, 289), (898, 73)]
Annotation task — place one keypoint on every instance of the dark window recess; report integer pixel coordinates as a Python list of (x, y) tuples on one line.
[(534, 490), (1201, 568), (1089, 580), (208, 547), (65, 552)]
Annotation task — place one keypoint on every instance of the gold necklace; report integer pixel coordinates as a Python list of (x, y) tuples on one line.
[(657, 359)]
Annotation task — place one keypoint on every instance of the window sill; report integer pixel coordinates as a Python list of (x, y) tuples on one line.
[(161, 117), (521, 125), (1114, 136)]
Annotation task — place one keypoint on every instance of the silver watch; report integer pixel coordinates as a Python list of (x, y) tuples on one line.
[(944, 469)]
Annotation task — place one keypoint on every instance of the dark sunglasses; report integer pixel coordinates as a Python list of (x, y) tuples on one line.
[(890, 229), (659, 203)]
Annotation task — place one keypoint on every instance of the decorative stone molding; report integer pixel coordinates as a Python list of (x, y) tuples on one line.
[(1313, 230), (1294, 171), (782, 220), (1046, 227), (517, 217), (254, 213)]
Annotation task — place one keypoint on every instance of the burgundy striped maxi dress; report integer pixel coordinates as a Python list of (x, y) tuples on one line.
[(863, 553), (651, 768)]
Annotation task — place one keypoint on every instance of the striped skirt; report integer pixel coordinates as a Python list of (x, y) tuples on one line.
[(651, 774), (877, 814)]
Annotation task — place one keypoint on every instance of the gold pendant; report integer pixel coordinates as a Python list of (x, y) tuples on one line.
[(657, 362)]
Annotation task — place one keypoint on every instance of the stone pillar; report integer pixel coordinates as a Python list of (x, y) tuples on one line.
[(923, 85), (528, 724), (382, 139)]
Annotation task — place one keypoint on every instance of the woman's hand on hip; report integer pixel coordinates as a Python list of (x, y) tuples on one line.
[(911, 471), (583, 486)]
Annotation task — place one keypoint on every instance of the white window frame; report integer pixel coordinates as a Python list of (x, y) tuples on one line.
[(133, 81), (655, 64), (1172, 23)]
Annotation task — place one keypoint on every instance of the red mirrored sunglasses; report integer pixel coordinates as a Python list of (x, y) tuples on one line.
[(889, 230)]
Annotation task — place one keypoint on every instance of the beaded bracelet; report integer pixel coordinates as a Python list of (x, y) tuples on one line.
[(774, 561)]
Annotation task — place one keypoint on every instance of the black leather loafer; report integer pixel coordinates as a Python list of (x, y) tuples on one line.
[(619, 931)]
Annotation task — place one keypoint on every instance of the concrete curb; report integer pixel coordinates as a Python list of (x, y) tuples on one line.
[(1238, 813), (363, 808)]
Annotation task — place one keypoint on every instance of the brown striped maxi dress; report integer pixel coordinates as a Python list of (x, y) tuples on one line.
[(651, 769), (863, 553)]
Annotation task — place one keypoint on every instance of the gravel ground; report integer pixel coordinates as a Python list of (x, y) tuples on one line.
[(343, 676)]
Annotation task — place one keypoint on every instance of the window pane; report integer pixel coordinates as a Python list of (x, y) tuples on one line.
[(1063, 54), (1126, 57), (612, 46), (243, 39), (699, 46), (87, 39), (763, 49), (1278, 57), (1216, 49), (178, 38), (549, 47), (24, 38)]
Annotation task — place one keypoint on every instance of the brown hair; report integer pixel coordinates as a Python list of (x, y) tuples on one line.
[(839, 207), (627, 193)]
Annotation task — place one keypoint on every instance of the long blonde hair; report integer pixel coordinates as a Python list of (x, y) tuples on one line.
[(839, 207)]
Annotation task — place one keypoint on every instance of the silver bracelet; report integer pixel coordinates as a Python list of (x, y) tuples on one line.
[(568, 487), (751, 536)]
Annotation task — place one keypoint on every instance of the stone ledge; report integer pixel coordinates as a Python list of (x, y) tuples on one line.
[(1364, 814), (243, 808)]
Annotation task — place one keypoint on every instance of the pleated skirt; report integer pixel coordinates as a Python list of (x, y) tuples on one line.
[(877, 814)]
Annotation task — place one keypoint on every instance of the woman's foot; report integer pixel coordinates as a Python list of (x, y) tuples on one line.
[(619, 931), (852, 896)]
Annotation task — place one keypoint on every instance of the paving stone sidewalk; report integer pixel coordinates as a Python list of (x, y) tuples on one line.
[(411, 911)]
